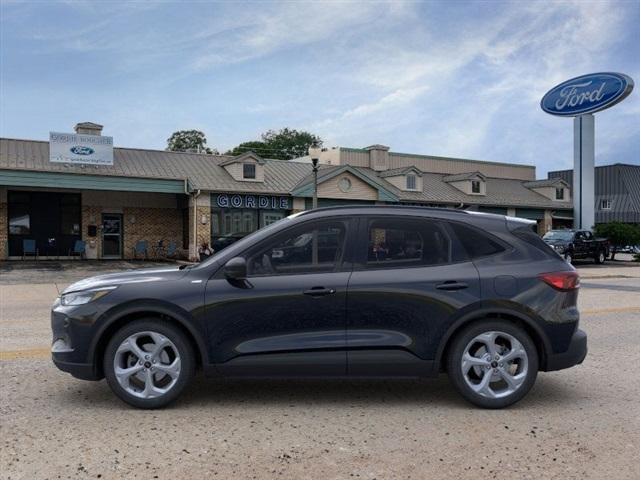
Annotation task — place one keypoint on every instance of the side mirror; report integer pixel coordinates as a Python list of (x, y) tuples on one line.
[(236, 269)]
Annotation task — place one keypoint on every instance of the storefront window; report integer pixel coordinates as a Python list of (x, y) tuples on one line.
[(19, 218), (234, 216)]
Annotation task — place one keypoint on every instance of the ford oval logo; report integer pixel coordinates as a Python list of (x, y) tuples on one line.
[(79, 150), (587, 94)]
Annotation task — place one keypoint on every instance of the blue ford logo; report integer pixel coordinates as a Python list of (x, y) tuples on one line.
[(587, 94), (79, 150)]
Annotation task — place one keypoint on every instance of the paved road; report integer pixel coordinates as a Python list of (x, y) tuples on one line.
[(579, 423)]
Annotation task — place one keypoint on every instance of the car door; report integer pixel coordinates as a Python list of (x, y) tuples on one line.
[(289, 316), (580, 245), (410, 278)]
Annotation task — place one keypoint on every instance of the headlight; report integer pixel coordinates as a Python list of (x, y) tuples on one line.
[(85, 296)]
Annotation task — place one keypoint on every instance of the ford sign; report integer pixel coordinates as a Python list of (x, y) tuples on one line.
[(587, 94), (79, 150)]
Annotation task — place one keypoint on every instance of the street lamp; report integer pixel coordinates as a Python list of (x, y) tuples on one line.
[(314, 153)]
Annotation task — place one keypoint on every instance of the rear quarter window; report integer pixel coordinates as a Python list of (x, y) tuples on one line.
[(532, 238), (476, 243)]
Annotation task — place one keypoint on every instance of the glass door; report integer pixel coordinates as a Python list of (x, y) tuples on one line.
[(111, 235)]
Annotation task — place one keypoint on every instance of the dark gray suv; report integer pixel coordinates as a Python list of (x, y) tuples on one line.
[(346, 291)]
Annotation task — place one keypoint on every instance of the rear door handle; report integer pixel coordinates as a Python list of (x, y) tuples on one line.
[(319, 291), (452, 285)]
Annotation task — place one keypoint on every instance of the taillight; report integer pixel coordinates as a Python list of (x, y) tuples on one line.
[(564, 281)]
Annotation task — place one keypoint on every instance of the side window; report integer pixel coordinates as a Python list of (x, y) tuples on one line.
[(588, 236), (311, 249), (579, 236), (476, 243), (396, 242)]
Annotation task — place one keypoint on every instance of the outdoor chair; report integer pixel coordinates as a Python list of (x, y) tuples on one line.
[(172, 248), (79, 248), (141, 248), (29, 248), (158, 249)]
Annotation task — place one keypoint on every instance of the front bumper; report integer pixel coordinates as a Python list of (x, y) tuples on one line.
[(574, 355), (83, 371), (72, 329)]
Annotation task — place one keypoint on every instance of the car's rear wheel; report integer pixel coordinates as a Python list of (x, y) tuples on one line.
[(493, 363), (148, 363)]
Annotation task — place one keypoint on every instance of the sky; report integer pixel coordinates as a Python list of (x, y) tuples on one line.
[(452, 78)]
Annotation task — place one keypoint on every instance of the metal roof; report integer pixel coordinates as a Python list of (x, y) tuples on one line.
[(205, 172), (619, 184), (463, 176)]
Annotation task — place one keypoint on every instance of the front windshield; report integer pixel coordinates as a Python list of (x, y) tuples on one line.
[(244, 242), (558, 235)]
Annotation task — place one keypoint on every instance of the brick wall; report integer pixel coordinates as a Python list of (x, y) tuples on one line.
[(152, 225)]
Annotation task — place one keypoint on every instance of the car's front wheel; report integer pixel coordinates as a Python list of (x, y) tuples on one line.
[(493, 363), (148, 363), (600, 257)]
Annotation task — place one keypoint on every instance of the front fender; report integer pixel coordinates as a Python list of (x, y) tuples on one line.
[(148, 307)]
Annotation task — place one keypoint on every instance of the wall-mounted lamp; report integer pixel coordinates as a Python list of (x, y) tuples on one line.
[(203, 220), (132, 219)]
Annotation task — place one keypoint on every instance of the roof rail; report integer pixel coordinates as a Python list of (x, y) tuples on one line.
[(398, 207)]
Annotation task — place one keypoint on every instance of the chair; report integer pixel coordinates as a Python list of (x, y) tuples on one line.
[(172, 248), (158, 249), (29, 248), (79, 248), (141, 248)]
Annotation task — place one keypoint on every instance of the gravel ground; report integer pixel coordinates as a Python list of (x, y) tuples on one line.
[(579, 423)]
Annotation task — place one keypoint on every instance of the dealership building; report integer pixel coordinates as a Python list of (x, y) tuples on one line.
[(79, 187)]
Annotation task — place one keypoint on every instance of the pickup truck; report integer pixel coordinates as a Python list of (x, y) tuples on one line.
[(577, 244)]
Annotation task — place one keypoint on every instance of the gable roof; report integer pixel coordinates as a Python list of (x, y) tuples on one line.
[(248, 155), (305, 187), (463, 176), (394, 172)]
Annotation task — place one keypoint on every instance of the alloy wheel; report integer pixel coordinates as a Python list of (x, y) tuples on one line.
[(494, 364), (147, 364)]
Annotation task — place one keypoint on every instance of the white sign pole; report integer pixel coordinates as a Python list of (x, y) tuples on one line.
[(583, 171)]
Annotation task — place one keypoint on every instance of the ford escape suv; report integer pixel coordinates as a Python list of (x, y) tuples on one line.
[(347, 291)]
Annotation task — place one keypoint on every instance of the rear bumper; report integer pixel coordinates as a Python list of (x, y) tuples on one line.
[(574, 355)]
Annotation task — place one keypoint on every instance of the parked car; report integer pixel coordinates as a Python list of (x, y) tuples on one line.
[(225, 240), (405, 292), (577, 244)]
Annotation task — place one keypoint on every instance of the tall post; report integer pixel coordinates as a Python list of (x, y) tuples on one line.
[(315, 182), (583, 171)]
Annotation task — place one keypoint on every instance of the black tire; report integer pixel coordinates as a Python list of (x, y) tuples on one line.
[(568, 258), (456, 351), (600, 257), (179, 340)]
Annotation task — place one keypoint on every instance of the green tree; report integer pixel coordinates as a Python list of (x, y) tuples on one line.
[(619, 234), (257, 147), (188, 141), (283, 144)]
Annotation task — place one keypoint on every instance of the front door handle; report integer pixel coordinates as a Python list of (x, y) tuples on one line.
[(452, 285), (319, 291)]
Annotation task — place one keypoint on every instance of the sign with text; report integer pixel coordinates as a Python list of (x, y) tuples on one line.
[(587, 94), (80, 149), (237, 200)]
